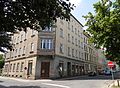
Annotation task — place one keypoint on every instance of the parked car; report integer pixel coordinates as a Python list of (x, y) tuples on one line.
[(92, 73), (101, 72), (107, 72)]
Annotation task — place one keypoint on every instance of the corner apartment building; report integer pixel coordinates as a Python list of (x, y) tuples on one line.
[(50, 53)]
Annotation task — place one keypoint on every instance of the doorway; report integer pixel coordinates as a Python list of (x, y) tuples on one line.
[(68, 68), (45, 68)]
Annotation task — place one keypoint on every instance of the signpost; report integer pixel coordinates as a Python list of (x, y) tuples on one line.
[(111, 65)]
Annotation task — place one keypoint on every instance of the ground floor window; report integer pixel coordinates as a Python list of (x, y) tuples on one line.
[(30, 63), (6, 66), (22, 65), (61, 69)]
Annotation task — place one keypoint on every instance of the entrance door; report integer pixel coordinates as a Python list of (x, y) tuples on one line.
[(45, 67), (68, 68)]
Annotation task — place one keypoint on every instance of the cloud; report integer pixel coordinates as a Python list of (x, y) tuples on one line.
[(76, 2)]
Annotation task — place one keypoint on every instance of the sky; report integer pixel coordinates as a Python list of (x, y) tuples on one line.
[(82, 8)]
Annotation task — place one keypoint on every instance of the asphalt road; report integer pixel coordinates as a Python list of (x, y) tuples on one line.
[(100, 81)]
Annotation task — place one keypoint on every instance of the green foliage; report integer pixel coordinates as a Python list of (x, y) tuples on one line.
[(36, 14), (1, 61), (104, 27)]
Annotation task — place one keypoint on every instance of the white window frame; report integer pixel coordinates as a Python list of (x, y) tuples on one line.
[(61, 33), (46, 44), (32, 46)]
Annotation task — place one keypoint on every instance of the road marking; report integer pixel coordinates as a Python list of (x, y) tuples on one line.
[(56, 85)]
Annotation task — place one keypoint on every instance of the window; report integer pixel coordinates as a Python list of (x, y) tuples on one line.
[(75, 31), (14, 67), (73, 52), (68, 51), (82, 56), (48, 29), (16, 52), (61, 32), (72, 40), (24, 50), (72, 29), (19, 52), (10, 67), (69, 25), (33, 32), (76, 53), (61, 48), (61, 67), (78, 33), (82, 45), (21, 37), (84, 40), (22, 65), (17, 67), (25, 35), (32, 46), (79, 55), (30, 63), (68, 37), (6, 68), (46, 44), (81, 35), (14, 40), (17, 39), (76, 41), (61, 21), (79, 43)]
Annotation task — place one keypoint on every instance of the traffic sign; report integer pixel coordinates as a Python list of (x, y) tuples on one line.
[(110, 64)]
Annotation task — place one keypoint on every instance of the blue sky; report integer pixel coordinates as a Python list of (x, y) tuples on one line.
[(82, 8)]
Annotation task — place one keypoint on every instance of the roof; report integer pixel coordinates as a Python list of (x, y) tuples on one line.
[(77, 20)]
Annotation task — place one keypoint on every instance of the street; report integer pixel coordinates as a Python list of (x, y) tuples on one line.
[(99, 81)]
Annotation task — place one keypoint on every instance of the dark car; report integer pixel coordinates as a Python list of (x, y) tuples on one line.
[(108, 72), (92, 73)]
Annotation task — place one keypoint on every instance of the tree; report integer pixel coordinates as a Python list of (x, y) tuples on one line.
[(104, 27), (1, 61), (36, 14)]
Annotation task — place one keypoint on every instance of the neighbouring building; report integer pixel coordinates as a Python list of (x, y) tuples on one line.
[(61, 51), (90, 55), (102, 61)]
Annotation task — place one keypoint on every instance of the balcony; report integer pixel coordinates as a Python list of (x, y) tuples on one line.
[(45, 52)]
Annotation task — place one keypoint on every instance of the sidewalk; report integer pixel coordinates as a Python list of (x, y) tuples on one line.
[(24, 80), (29, 80)]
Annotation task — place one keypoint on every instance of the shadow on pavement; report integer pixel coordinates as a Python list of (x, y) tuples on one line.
[(98, 77), (19, 86)]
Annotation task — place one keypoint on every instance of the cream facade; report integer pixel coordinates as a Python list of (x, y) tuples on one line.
[(50, 53)]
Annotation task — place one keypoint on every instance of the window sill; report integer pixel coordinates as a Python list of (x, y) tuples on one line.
[(31, 52), (25, 39), (32, 35), (23, 54)]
